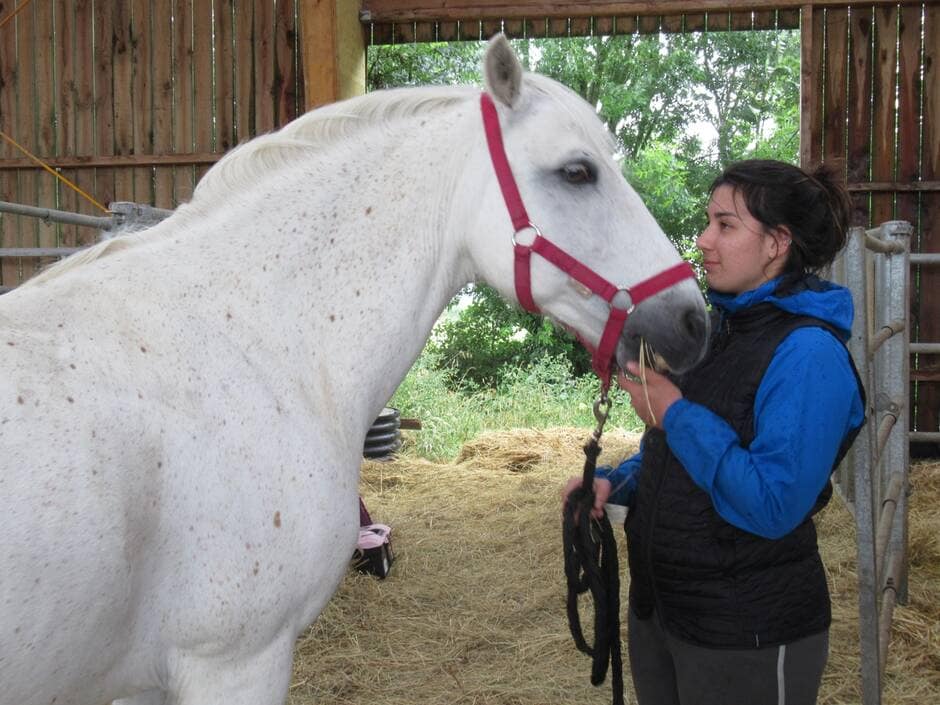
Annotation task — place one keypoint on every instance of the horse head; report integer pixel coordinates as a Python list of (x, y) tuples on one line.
[(593, 246)]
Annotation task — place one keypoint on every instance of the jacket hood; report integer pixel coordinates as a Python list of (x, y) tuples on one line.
[(809, 296)]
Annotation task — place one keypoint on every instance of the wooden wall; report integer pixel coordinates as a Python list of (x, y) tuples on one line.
[(872, 102), (133, 101)]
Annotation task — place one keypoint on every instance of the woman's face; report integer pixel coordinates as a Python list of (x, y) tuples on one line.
[(738, 252)]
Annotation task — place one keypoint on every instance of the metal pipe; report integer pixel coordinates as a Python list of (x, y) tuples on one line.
[(925, 436), (925, 347), (50, 214), (925, 258), (884, 431), (884, 334), (889, 597), (886, 520)]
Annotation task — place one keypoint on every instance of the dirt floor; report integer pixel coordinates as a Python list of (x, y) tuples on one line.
[(473, 611)]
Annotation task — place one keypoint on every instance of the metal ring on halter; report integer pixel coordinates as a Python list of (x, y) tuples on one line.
[(630, 307), (527, 226)]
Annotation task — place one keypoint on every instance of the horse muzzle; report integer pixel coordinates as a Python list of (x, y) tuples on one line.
[(674, 327)]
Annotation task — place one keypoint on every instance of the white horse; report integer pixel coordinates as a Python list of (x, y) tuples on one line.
[(182, 410)]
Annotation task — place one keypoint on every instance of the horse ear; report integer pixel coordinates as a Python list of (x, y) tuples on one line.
[(502, 73)]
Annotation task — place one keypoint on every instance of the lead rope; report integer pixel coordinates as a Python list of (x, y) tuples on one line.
[(591, 564)]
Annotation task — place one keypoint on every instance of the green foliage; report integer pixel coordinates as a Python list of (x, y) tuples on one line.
[(489, 338), (392, 66), (542, 395)]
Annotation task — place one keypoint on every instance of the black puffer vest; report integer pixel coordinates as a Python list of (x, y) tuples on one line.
[(712, 583)]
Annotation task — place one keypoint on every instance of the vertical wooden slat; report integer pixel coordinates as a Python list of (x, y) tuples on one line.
[(718, 21), (141, 90), (673, 23), (858, 160), (788, 19), (425, 32), (557, 27), (163, 95), (604, 25), (695, 22), (202, 103), (45, 119), (514, 29), (580, 26), (765, 19), (224, 77), (470, 30), (491, 27), (183, 124), (264, 66), (9, 180), (83, 115), (909, 32), (104, 98), (741, 20), (883, 110), (244, 71), (122, 108), (812, 29), (648, 24), (928, 395), (834, 105), (284, 88), (25, 128), (69, 72)]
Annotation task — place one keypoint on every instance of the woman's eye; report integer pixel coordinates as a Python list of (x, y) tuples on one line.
[(578, 173)]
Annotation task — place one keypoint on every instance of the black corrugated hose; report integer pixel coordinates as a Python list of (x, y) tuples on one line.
[(591, 564)]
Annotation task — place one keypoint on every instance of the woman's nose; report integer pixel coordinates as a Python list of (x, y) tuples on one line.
[(703, 240)]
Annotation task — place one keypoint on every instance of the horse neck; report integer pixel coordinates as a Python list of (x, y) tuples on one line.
[(362, 258)]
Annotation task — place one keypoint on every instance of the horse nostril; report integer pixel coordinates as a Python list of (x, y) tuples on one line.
[(693, 324)]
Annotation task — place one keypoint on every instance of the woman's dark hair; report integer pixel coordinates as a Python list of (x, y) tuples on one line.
[(813, 205)]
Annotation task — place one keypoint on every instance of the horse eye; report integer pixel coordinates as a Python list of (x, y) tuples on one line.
[(579, 173)]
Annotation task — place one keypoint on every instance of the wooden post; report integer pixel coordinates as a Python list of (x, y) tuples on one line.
[(334, 51)]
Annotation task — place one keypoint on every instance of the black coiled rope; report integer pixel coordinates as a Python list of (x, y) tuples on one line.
[(591, 564)]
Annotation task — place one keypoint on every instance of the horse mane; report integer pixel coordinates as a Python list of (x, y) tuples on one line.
[(312, 131)]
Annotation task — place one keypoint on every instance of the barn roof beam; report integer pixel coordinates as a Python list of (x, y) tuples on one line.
[(383, 11)]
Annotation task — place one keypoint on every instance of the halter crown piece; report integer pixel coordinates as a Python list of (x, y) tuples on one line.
[(602, 358)]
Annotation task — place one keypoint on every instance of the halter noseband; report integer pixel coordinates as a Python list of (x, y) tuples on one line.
[(627, 298)]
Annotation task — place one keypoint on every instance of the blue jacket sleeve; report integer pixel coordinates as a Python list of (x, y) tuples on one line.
[(622, 478), (805, 405)]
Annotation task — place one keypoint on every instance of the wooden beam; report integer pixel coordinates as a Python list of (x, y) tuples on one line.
[(334, 50), (106, 161), (417, 10)]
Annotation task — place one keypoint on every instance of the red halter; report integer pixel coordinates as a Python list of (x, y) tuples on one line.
[(602, 358)]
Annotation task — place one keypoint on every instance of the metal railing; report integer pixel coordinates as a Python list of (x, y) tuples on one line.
[(873, 478), (124, 216)]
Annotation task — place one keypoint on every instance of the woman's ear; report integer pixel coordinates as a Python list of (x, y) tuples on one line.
[(783, 239)]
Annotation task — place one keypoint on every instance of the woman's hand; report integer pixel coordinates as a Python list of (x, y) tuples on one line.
[(652, 402), (601, 493)]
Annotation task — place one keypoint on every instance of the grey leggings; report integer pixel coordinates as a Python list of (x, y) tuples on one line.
[(667, 671)]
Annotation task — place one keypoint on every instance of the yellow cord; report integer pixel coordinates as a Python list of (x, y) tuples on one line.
[(13, 13), (52, 171)]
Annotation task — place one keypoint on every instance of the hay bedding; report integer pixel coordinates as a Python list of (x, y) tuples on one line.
[(473, 611)]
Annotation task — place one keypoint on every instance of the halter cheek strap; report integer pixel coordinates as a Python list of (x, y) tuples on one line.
[(627, 298)]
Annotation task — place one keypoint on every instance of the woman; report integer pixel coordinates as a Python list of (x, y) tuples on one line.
[(728, 597)]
